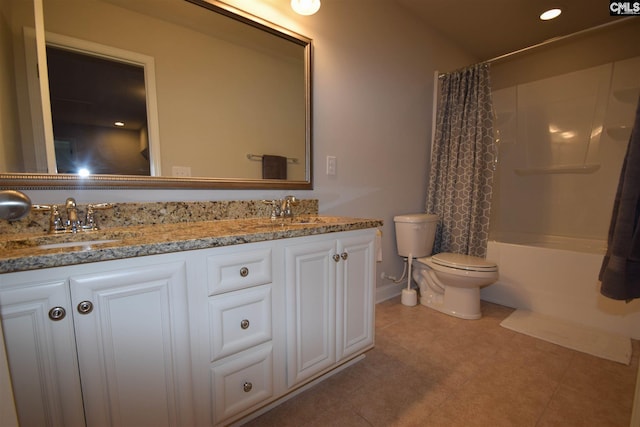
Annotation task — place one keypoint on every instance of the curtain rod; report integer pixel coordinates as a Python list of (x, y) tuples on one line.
[(546, 42)]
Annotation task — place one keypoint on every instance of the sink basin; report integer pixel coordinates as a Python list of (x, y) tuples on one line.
[(320, 220), (86, 240), (278, 223), (84, 244)]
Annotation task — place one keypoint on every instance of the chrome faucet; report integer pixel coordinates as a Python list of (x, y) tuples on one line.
[(285, 206), (73, 224), (282, 208)]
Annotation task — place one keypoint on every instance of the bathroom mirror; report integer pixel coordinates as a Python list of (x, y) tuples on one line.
[(228, 89)]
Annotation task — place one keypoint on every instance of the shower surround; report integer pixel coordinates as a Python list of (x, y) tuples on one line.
[(562, 142)]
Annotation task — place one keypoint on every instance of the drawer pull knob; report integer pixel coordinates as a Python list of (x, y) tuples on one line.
[(336, 257), (244, 324), (344, 255), (247, 386), (244, 272), (57, 313), (85, 307)]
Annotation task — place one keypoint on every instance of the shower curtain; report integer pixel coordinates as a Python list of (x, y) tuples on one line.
[(462, 162), (620, 271)]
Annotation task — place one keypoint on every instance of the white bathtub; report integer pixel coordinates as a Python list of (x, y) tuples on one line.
[(558, 277)]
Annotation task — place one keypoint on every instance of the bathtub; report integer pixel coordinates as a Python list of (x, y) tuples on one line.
[(558, 276)]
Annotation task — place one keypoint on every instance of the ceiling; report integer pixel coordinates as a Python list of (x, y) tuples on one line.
[(491, 28)]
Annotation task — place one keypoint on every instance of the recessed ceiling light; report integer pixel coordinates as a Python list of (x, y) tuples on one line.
[(119, 124), (550, 14)]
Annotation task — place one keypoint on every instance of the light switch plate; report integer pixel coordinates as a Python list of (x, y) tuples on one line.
[(181, 171), (331, 165)]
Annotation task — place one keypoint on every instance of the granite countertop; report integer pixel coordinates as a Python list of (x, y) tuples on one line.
[(21, 252)]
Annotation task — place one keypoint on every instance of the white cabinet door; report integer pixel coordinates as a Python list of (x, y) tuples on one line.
[(41, 353), (133, 346), (329, 287), (354, 299), (310, 286)]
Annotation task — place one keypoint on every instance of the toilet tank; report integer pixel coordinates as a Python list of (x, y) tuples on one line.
[(415, 234)]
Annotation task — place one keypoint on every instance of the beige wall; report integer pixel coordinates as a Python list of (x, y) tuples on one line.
[(13, 16), (6, 84)]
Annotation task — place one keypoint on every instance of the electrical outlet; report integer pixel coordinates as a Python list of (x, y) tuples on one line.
[(331, 165), (181, 171)]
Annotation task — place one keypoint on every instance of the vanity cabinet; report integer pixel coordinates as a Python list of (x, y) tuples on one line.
[(329, 302), (201, 337), (100, 344)]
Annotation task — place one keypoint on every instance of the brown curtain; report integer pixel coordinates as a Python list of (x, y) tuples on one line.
[(462, 162)]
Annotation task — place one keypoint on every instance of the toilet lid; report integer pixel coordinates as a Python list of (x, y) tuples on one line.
[(463, 262)]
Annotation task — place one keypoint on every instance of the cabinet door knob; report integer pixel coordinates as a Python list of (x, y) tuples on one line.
[(244, 324), (336, 257), (85, 307), (344, 255), (247, 386), (244, 272), (57, 313)]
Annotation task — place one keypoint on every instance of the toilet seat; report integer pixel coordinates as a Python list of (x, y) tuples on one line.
[(460, 265), (463, 262)]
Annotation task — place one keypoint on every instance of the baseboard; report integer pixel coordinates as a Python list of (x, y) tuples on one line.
[(388, 291)]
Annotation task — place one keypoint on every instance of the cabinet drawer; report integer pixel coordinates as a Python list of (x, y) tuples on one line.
[(239, 320), (242, 383), (238, 270)]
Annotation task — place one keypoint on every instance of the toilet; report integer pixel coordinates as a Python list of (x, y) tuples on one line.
[(448, 282)]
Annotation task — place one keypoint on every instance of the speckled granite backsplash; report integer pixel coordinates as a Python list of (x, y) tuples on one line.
[(128, 214)]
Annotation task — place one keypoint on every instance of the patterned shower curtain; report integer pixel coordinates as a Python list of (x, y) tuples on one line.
[(462, 162)]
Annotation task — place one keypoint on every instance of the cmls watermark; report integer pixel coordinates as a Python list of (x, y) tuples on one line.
[(624, 8)]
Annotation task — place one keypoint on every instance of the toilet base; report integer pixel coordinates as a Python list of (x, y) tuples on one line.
[(458, 302)]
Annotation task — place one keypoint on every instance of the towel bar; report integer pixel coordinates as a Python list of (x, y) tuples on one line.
[(259, 157)]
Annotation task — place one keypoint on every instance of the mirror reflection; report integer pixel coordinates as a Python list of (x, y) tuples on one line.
[(224, 100), (99, 114)]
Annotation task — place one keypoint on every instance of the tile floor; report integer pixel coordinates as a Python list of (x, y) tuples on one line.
[(429, 369)]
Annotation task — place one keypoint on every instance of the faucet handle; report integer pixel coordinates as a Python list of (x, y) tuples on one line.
[(275, 208), (90, 222), (41, 207), (100, 206), (287, 202), (55, 221)]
